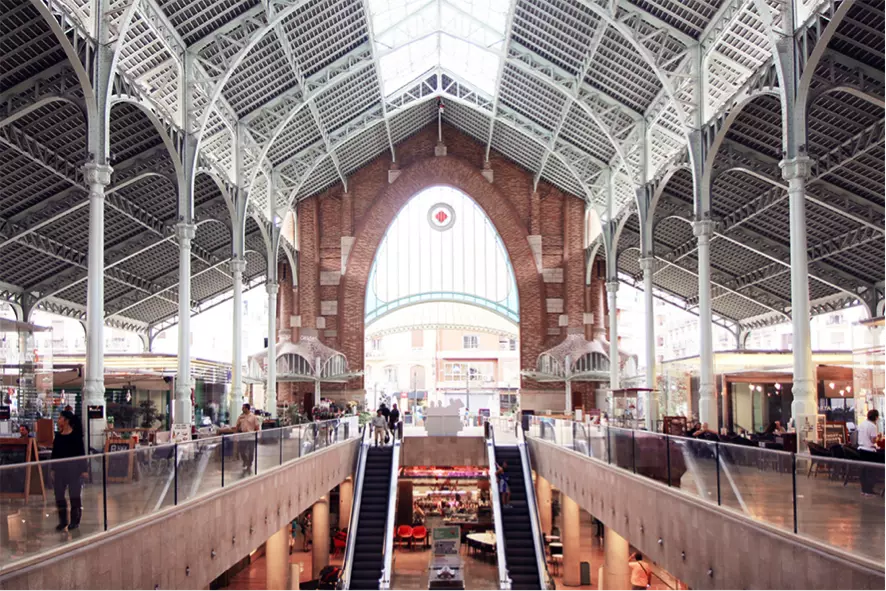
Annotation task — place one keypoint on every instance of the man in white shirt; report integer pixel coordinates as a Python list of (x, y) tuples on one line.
[(867, 449)]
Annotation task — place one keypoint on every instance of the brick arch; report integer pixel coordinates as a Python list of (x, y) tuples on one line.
[(458, 174)]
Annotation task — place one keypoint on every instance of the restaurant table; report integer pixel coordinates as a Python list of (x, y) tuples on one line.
[(484, 541)]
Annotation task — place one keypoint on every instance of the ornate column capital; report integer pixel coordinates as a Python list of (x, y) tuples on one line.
[(185, 232), (272, 287), (612, 286), (703, 229), (796, 168), (238, 265), (97, 174), (647, 263)]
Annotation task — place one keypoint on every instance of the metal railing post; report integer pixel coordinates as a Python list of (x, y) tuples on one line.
[(668, 455), (175, 474), (223, 461), (280, 438), (608, 446), (794, 486), (105, 489), (717, 455), (633, 451), (255, 457)]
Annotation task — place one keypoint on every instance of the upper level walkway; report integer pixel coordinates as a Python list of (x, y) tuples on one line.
[(173, 516), (719, 515)]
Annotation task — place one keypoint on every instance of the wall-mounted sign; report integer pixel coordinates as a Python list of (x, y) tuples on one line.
[(96, 411)]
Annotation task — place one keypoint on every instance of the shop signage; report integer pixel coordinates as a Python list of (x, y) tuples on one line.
[(181, 432), (447, 540), (95, 411), (4, 412)]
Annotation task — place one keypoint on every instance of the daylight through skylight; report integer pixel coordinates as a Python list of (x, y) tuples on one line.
[(463, 37)]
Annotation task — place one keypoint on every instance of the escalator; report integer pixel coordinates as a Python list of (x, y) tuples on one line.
[(524, 554), (370, 536)]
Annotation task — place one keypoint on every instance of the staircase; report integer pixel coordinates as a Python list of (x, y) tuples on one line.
[(519, 545), (368, 559)]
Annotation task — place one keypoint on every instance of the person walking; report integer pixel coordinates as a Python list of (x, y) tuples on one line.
[(867, 450), (504, 488), (639, 574), (68, 443), (247, 422), (394, 418), (379, 427)]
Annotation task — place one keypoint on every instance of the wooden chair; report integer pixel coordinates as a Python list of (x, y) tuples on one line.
[(817, 451)]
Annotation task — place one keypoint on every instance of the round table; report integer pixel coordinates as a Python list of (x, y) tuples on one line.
[(484, 541)]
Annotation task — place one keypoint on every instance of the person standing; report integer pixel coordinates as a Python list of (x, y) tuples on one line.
[(247, 422), (867, 450), (379, 427), (639, 574), (68, 443), (394, 418)]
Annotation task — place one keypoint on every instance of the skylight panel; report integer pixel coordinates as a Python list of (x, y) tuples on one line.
[(412, 37), (474, 65)]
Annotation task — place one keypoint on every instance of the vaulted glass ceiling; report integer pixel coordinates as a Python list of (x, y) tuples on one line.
[(465, 38)]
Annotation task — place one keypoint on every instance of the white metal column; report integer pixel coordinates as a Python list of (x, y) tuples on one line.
[(612, 291), (648, 266), (271, 387), (238, 265), (707, 396), (97, 176), (804, 407), (181, 410)]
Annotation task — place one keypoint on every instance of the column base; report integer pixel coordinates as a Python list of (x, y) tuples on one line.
[(707, 410), (182, 409)]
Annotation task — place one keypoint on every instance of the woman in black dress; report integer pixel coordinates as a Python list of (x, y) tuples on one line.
[(68, 443)]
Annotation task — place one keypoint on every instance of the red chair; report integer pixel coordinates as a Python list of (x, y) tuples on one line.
[(404, 533), (420, 535), (339, 542)]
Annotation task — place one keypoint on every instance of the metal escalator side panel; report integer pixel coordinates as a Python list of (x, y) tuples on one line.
[(532, 506), (504, 579), (387, 572), (359, 476)]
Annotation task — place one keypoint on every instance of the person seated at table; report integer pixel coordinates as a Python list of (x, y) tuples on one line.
[(24, 431), (692, 429), (701, 430)]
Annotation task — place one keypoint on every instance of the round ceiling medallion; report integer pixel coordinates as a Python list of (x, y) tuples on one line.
[(441, 216)]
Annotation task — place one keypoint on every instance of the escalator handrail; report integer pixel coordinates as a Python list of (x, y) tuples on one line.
[(544, 578), (387, 570), (504, 579), (348, 560)]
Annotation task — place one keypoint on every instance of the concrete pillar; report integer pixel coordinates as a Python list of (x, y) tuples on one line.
[(320, 531), (277, 559), (97, 177), (238, 265), (648, 266), (271, 387), (707, 395), (543, 495), (345, 500), (804, 407), (182, 407), (571, 538), (616, 574)]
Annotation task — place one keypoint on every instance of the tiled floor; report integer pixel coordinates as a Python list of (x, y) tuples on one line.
[(411, 566)]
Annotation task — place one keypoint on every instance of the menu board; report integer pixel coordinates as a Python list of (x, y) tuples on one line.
[(120, 464), (447, 540), (25, 480)]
